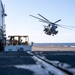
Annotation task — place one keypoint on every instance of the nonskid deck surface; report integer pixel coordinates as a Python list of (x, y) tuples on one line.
[(25, 63), (13, 53), (9, 61), (62, 56), (15, 58)]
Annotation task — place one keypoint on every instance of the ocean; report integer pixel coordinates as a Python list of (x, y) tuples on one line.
[(54, 44)]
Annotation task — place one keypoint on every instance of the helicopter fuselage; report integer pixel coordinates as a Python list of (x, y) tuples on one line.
[(51, 29)]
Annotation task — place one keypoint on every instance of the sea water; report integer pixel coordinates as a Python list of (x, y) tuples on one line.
[(54, 44)]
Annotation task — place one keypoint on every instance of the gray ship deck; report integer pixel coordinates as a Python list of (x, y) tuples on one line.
[(8, 61)]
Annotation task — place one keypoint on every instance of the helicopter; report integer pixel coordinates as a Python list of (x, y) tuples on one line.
[(52, 26)]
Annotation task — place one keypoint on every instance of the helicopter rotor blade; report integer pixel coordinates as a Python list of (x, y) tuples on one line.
[(67, 27), (44, 18), (57, 21), (44, 21), (41, 20)]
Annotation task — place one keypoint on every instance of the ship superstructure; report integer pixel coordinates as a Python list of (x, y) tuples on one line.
[(2, 26)]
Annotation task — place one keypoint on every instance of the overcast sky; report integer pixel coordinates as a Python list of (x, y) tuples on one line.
[(18, 21)]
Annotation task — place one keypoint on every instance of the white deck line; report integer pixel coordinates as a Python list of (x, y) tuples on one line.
[(49, 67)]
